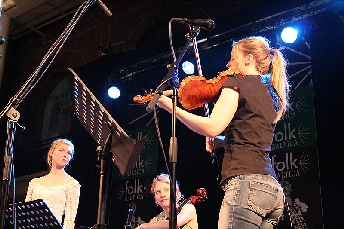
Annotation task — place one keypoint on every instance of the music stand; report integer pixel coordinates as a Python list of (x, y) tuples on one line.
[(108, 135), (32, 214)]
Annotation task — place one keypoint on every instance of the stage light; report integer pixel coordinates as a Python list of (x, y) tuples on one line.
[(188, 67), (114, 92), (289, 35)]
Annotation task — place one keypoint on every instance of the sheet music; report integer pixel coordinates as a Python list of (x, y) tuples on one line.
[(91, 113), (32, 214)]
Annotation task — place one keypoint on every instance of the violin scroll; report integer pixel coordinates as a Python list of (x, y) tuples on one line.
[(143, 98)]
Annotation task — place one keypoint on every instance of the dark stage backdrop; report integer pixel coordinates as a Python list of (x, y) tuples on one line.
[(300, 140)]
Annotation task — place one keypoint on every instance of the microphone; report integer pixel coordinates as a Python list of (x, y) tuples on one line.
[(206, 24)]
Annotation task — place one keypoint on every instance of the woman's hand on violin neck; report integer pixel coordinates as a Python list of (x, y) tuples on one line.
[(168, 92), (165, 103)]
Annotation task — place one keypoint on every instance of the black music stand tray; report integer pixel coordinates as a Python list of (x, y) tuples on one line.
[(32, 214), (99, 123), (110, 137)]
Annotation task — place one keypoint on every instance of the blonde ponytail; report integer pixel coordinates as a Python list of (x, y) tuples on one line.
[(279, 81), (269, 61)]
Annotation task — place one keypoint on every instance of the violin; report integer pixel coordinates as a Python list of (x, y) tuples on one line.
[(195, 91), (199, 198)]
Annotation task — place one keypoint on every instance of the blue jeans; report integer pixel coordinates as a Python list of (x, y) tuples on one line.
[(251, 201)]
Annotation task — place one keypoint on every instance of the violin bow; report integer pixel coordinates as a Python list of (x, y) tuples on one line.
[(206, 105)]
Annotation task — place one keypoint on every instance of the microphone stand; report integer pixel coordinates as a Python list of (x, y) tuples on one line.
[(15, 101), (8, 170), (173, 148)]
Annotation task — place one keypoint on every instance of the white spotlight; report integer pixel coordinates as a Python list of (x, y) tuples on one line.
[(114, 92), (289, 35), (188, 67)]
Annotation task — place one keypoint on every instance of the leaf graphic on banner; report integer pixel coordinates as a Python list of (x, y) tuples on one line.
[(303, 132), (304, 162)]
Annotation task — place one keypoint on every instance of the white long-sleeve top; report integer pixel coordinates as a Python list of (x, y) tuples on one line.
[(61, 199)]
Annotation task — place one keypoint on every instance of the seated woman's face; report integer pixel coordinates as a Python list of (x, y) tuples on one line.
[(162, 194)]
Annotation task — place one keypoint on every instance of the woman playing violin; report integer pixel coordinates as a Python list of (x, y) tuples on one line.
[(246, 113), (186, 218)]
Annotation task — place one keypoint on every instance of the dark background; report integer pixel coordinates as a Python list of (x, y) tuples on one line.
[(325, 32)]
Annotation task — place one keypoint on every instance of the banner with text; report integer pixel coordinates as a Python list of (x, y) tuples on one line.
[(132, 194), (147, 162), (298, 172), (297, 129)]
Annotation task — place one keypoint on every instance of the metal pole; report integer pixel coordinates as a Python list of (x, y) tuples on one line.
[(8, 173)]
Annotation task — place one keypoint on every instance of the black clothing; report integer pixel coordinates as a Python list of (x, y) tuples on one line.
[(249, 135)]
